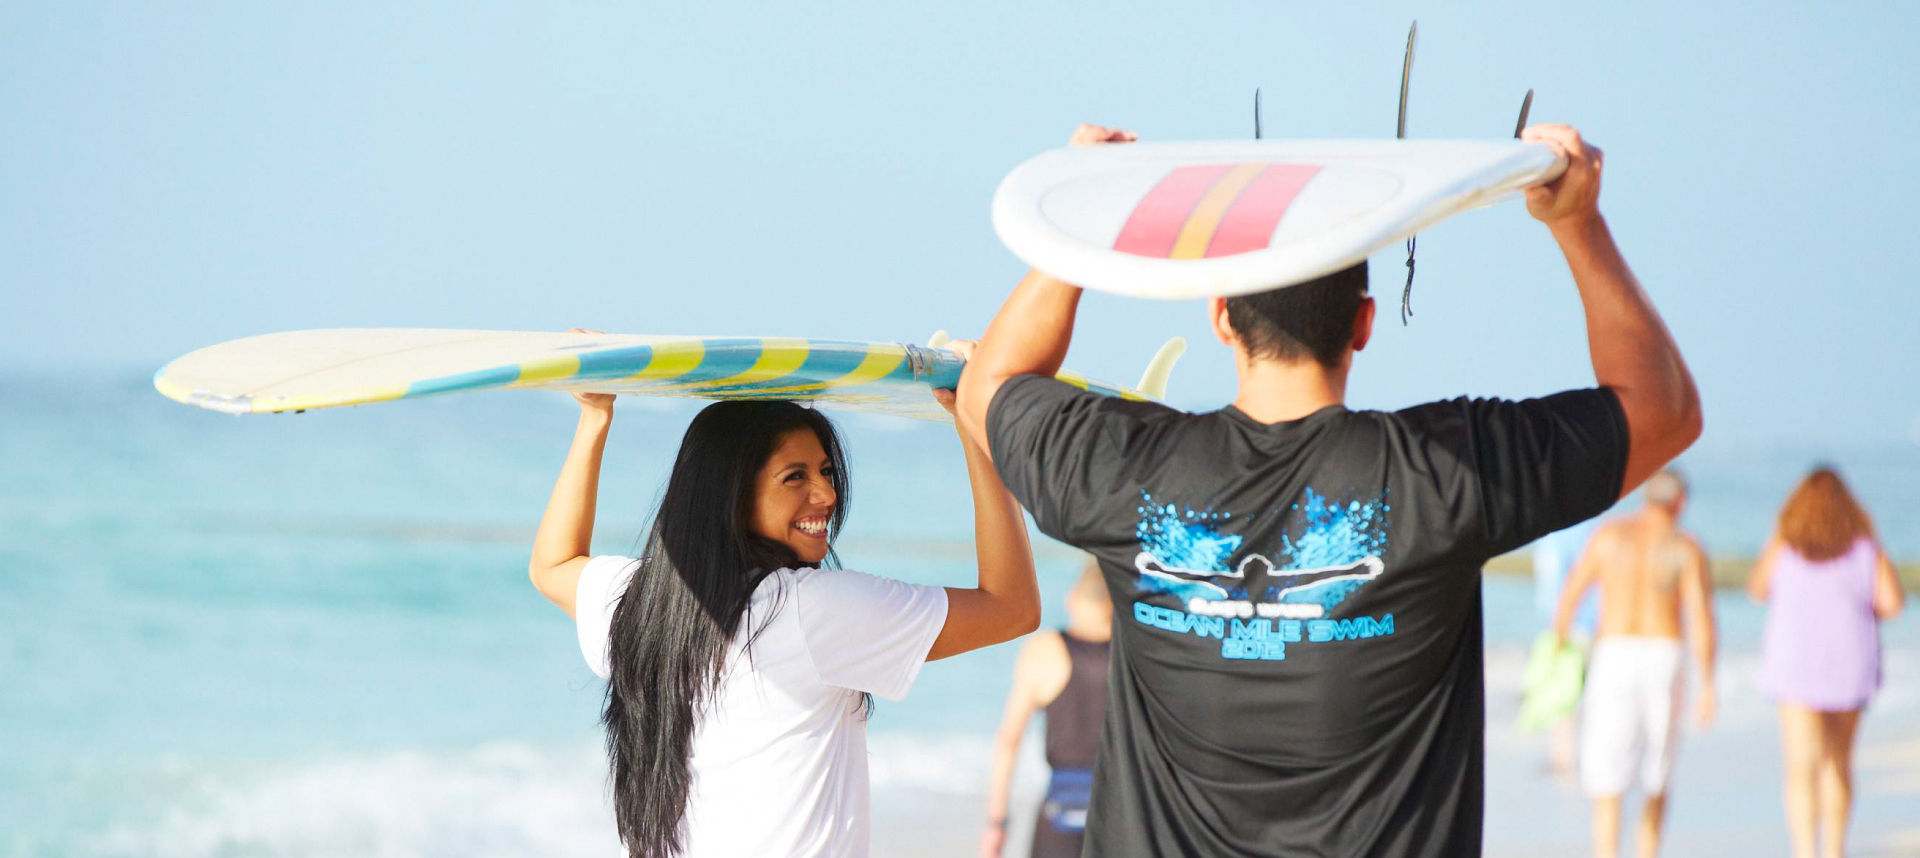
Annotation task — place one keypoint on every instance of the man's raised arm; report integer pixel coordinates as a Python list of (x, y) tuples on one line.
[(1031, 332), (1633, 354)]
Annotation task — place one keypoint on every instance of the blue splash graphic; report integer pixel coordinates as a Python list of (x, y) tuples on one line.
[(1336, 535), (1182, 540)]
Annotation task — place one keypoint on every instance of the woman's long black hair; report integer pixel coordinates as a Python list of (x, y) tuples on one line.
[(670, 632)]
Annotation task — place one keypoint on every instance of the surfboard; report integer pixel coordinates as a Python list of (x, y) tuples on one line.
[(303, 370), (1192, 220)]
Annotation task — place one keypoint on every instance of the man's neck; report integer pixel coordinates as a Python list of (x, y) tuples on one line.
[(1659, 518), (1274, 391)]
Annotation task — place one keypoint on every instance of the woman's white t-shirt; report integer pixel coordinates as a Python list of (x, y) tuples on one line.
[(780, 759)]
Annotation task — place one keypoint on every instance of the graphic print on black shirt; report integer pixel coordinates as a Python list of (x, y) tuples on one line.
[(1298, 665), (1257, 602)]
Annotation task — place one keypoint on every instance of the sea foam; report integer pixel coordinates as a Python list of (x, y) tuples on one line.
[(500, 799)]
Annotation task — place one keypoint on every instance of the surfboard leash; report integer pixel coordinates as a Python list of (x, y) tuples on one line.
[(1400, 133)]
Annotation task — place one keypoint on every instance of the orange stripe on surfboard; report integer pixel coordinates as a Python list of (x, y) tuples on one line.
[(1156, 220), (1197, 233), (1256, 212), (1212, 210)]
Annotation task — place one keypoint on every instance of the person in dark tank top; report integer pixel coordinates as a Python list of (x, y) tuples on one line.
[(1063, 673)]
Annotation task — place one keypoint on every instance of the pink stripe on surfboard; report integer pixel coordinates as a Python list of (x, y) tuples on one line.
[(1157, 219), (1256, 213)]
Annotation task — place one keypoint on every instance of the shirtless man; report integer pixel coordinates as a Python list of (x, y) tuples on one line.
[(1650, 572)]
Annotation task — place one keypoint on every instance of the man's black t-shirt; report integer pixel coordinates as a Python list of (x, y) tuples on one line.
[(1297, 664)]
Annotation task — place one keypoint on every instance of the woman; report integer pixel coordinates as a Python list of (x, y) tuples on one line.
[(1826, 582), (1065, 674), (739, 663)]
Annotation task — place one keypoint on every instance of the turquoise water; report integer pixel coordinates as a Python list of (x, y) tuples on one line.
[(313, 634)]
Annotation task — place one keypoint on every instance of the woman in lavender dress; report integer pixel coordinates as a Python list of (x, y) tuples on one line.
[(1827, 583)]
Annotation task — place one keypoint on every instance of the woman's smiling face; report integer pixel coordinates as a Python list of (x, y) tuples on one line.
[(794, 497)]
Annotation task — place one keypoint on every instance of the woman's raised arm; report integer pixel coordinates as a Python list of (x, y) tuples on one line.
[(1006, 605), (565, 540)]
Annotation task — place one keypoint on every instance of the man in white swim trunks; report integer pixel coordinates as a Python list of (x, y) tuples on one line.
[(1650, 573)]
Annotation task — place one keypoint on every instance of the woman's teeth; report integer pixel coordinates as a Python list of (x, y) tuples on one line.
[(812, 526)]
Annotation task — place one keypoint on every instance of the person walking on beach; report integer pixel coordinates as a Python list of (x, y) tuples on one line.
[(1827, 584), (739, 661), (1297, 658), (1653, 579), (1064, 674)]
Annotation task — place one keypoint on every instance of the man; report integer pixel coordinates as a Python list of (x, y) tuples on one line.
[(1649, 572), (1297, 651)]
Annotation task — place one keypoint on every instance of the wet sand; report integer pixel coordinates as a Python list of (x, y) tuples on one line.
[(1725, 793), (1730, 571)]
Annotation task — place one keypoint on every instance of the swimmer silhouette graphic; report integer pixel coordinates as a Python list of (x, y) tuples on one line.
[(1257, 578)]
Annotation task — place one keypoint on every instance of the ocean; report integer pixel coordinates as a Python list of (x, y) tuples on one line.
[(313, 635)]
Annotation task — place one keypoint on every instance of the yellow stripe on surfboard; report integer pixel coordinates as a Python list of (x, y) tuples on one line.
[(1198, 231), (672, 360), (549, 369), (665, 361), (779, 356), (881, 359), (1084, 383), (1073, 378)]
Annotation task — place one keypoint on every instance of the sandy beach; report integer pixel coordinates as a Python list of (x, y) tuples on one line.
[(1726, 793), (1730, 571)]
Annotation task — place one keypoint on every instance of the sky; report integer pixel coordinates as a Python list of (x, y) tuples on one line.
[(171, 177)]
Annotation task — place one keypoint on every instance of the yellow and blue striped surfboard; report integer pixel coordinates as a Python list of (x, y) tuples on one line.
[(302, 370)]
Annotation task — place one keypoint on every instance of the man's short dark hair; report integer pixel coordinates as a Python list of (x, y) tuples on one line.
[(1306, 320)]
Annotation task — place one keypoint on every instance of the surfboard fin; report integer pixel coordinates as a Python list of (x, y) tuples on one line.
[(1406, 74), (939, 339), (1526, 106), (1153, 382)]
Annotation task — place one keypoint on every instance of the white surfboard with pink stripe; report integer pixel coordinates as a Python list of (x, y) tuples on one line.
[(1191, 220)]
